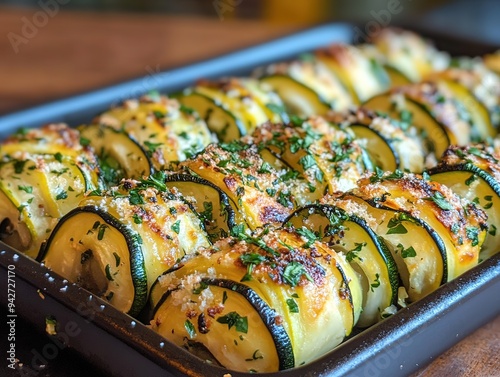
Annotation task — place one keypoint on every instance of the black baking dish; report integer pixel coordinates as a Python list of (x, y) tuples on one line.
[(122, 346)]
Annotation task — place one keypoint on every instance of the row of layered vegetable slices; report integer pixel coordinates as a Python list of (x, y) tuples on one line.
[(258, 221)]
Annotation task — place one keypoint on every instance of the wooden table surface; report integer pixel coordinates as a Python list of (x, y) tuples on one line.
[(76, 52)]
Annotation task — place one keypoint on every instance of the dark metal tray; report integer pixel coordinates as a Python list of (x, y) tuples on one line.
[(121, 346)]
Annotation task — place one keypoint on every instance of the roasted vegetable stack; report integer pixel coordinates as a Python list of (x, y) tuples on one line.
[(345, 185)]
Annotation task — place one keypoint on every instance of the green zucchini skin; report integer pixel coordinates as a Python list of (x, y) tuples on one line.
[(280, 337), (137, 266)]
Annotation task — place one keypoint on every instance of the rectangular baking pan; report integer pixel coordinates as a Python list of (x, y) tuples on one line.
[(122, 346)]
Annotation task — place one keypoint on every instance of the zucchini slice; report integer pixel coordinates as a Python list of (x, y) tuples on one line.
[(218, 213), (306, 87), (119, 155), (460, 224), (49, 139), (389, 146), (233, 107), (417, 249), (433, 113), (325, 156), (365, 77), (378, 147), (468, 173), (261, 303), (167, 131), (262, 195), (135, 234), (102, 254), (28, 212), (220, 121), (463, 86), (364, 250)]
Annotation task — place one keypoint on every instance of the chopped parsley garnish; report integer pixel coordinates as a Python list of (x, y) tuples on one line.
[(471, 179), (308, 235), (353, 254), (293, 273), (251, 260), (292, 305), (19, 166), (234, 319), (62, 195), (26, 189), (176, 227), (440, 201), (376, 283), (191, 330), (407, 253), (277, 109), (108, 272), (152, 147), (187, 110), (84, 142), (117, 259), (472, 234)]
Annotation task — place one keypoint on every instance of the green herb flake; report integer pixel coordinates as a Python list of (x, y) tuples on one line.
[(108, 272), (440, 201), (353, 254), (293, 273), (376, 283), (100, 233), (62, 195), (176, 227), (407, 253), (308, 235), (471, 179), (19, 166), (276, 109), (224, 297), (84, 142), (58, 156), (234, 319), (292, 305), (187, 110), (26, 189), (493, 230), (85, 256), (117, 259), (137, 218), (472, 234), (190, 329)]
